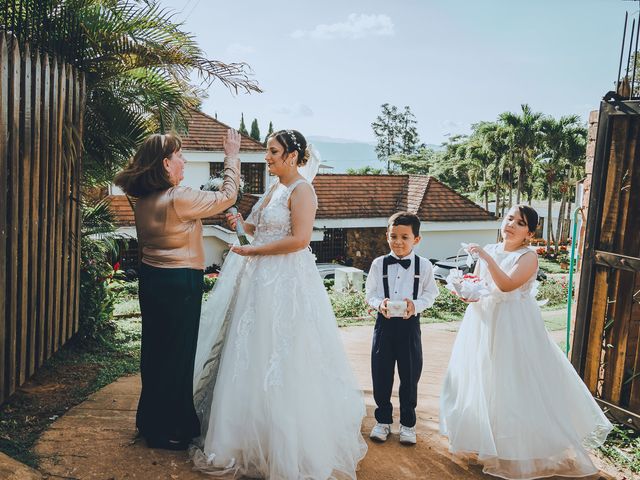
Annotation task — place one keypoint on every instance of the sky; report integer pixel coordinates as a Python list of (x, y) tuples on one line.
[(327, 66)]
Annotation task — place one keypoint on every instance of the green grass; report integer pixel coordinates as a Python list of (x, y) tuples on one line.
[(623, 448), (127, 307), (548, 266), (556, 319)]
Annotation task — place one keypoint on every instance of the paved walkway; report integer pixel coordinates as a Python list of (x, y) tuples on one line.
[(95, 440)]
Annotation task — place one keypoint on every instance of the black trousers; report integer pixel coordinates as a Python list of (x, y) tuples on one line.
[(170, 302), (396, 341)]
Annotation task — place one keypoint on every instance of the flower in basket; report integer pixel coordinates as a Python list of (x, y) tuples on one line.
[(466, 286), (213, 184)]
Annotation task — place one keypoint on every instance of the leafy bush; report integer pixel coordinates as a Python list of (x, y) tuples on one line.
[(349, 304), (447, 306), (329, 283), (555, 290), (96, 298), (122, 289), (209, 282)]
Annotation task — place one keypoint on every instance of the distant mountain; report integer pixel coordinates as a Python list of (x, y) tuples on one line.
[(342, 154)]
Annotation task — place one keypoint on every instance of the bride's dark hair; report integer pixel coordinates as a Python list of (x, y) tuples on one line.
[(293, 141)]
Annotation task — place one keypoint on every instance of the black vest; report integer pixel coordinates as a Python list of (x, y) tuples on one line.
[(416, 277)]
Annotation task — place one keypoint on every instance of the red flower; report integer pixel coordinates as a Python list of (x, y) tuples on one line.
[(211, 275), (116, 266), (473, 278)]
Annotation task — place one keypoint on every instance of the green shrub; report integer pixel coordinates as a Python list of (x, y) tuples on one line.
[(209, 282), (349, 304), (96, 298), (329, 283), (555, 290), (447, 306), (122, 289)]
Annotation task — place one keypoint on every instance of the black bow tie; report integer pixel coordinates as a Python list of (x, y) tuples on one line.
[(404, 263)]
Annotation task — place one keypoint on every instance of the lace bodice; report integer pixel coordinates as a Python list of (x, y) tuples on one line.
[(273, 221), (507, 260)]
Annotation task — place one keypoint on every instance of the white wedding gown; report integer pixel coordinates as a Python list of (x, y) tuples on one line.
[(286, 404), (510, 395)]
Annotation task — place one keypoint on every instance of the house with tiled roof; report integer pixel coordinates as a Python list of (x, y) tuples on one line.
[(352, 217), (353, 211)]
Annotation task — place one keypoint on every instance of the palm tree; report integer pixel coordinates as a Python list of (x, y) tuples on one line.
[(524, 135), (494, 138), (562, 147), (137, 63)]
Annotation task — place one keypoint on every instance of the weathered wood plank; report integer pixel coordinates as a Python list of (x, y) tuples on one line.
[(622, 147), (631, 386), (67, 170), (36, 260), (634, 387), (45, 229), (596, 329), (53, 205), (14, 210), (4, 197), (24, 193), (62, 327), (619, 338), (80, 117), (74, 205), (611, 201)]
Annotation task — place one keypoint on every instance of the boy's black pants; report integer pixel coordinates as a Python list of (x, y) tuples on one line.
[(396, 340)]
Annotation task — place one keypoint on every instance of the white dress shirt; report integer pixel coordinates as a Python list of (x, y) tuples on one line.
[(401, 283)]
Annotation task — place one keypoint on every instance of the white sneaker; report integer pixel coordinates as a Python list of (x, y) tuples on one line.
[(407, 435), (380, 432)]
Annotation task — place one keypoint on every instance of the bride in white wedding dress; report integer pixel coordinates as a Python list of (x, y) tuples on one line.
[(273, 387)]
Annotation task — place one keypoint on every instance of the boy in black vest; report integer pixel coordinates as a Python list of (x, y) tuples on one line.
[(401, 276)]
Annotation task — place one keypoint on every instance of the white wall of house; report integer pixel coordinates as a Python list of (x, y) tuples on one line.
[(441, 244)]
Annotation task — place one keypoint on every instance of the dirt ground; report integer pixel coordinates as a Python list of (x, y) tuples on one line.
[(95, 440)]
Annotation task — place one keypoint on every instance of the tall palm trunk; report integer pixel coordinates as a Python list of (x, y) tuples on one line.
[(559, 227), (549, 214), (510, 187)]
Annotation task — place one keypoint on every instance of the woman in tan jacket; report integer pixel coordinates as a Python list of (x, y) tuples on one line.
[(169, 228)]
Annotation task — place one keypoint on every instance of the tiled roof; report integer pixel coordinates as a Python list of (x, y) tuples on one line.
[(343, 196), (441, 203), (206, 133), (369, 196)]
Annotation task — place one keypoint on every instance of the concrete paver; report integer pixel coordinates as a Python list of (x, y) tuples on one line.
[(95, 440)]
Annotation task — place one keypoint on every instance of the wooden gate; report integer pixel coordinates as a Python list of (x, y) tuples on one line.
[(606, 350), (41, 107)]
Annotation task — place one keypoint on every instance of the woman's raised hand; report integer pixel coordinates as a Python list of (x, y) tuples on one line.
[(233, 220), (231, 143)]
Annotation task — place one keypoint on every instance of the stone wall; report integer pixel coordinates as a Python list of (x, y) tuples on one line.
[(365, 244)]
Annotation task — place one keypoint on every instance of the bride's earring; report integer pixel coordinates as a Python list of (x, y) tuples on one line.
[(291, 163)]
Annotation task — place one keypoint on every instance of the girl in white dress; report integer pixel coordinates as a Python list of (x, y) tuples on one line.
[(286, 404), (510, 395)]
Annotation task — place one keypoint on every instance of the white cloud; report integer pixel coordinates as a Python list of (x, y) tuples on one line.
[(356, 26), (295, 110), (239, 51)]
